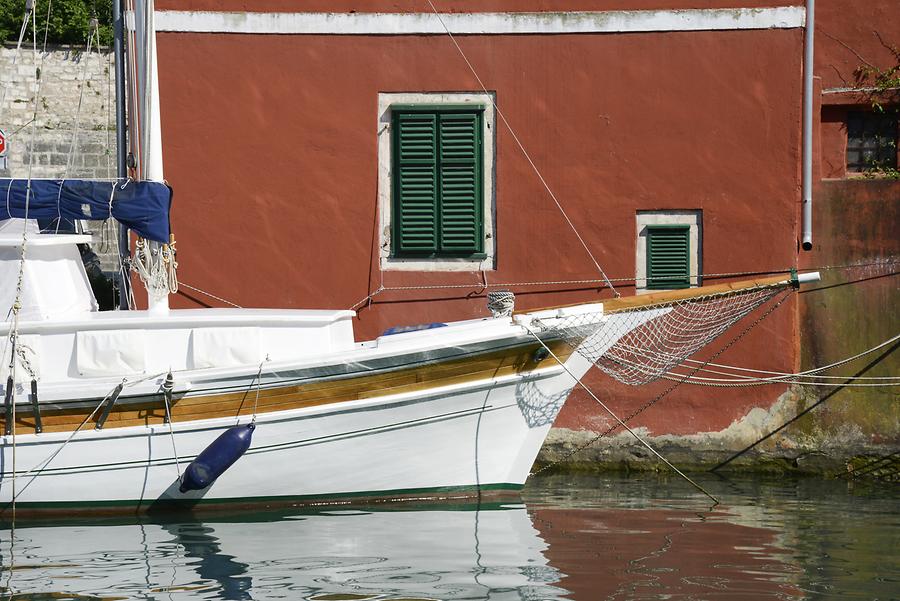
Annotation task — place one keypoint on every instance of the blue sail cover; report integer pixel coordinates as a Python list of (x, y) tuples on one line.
[(141, 206)]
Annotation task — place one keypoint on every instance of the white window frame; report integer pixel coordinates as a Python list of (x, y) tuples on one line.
[(385, 187), (690, 217)]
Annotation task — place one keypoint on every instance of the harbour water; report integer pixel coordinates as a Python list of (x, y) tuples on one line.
[(567, 537)]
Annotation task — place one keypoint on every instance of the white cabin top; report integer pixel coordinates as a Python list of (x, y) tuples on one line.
[(54, 284)]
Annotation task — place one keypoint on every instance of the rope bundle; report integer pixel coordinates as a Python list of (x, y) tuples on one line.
[(501, 303)]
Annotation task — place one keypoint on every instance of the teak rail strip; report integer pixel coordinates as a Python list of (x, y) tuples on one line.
[(625, 303), (483, 366)]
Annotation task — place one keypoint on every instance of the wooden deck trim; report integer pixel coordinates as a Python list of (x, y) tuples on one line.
[(482, 366), (626, 303)]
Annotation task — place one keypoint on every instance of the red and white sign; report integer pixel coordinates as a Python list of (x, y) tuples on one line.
[(2, 144)]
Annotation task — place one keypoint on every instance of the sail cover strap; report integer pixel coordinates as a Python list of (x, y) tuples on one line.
[(141, 206)]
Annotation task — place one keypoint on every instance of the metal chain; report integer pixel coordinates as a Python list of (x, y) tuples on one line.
[(660, 396), (382, 288)]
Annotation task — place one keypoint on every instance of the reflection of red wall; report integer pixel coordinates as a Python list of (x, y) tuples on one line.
[(608, 552)]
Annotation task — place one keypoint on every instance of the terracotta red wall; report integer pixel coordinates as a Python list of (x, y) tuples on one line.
[(850, 33), (270, 145)]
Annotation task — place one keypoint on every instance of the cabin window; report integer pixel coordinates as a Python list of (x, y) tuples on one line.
[(668, 249), (871, 141), (436, 195)]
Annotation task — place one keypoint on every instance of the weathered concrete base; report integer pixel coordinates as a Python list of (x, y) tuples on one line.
[(810, 444)]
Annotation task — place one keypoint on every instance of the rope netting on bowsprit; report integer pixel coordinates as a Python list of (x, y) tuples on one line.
[(637, 345)]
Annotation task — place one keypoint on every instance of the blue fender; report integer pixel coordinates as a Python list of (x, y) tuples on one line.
[(217, 457)]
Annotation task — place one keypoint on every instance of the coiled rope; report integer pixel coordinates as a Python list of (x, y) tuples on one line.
[(501, 303)]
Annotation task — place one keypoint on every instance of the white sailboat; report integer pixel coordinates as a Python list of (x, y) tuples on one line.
[(112, 411)]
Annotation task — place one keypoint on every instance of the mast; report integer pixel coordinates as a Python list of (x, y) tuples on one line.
[(154, 261), (121, 145), (152, 134)]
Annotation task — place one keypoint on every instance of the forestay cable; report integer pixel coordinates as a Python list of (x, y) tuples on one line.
[(524, 152)]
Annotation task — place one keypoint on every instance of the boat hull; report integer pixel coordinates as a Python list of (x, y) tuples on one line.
[(456, 437)]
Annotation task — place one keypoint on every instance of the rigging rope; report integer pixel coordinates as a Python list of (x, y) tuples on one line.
[(15, 59), (815, 371), (42, 465), (524, 152), (784, 296), (382, 288), (737, 381), (209, 294), (619, 421), (17, 303)]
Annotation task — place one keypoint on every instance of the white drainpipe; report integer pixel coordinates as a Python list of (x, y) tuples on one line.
[(806, 221)]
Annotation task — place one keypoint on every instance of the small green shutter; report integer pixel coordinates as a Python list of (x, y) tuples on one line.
[(437, 202), (668, 257)]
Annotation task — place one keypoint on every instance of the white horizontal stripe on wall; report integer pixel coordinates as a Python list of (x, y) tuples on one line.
[(620, 21)]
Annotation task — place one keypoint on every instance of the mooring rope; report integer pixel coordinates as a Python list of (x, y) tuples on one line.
[(168, 386), (616, 417), (784, 296), (258, 384), (741, 381)]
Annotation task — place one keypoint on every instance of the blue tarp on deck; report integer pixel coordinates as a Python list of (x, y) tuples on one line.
[(141, 206)]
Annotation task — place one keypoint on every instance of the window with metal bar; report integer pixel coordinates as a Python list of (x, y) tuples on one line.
[(871, 141)]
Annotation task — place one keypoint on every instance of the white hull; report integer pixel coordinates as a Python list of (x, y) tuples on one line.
[(461, 408), (479, 435), (461, 435)]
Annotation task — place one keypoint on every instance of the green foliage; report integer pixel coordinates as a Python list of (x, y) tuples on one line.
[(69, 21), (882, 88)]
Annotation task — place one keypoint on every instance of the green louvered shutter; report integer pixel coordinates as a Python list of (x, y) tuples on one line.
[(415, 206), (460, 190), (668, 257), (437, 200)]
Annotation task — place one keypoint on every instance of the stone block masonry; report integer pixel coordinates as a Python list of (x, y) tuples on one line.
[(74, 133)]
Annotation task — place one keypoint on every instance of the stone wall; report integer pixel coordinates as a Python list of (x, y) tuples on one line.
[(75, 93), (74, 134)]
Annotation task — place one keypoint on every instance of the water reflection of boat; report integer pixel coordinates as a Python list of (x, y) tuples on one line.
[(448, 553)]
